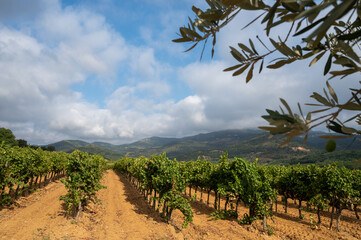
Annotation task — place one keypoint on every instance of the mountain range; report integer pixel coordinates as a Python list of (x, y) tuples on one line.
[(249, 144)]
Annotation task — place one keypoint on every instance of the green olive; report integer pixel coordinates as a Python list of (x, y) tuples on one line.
[(330, 146)]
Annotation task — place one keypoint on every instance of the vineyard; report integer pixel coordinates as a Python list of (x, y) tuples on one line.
[(159, 198), (24, 169), (238, 181)]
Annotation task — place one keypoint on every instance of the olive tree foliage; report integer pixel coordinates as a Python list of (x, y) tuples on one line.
[(329, 29)]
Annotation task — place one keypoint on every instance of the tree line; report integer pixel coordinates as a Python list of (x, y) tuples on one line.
[(8, 138)]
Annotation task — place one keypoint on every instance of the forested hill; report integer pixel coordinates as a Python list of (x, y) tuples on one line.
[(248, 143)]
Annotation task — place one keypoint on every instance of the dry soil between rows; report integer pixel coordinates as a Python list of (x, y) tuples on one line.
[(124, 214)]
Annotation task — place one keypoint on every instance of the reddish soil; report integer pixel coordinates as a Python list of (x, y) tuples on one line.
[(124, 214)]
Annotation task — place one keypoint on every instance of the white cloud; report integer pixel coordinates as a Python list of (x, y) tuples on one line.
[(228, 102), (38, 72), (84, 38), (143, 62)]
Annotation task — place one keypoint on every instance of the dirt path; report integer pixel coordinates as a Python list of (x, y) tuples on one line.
[(124, 214)]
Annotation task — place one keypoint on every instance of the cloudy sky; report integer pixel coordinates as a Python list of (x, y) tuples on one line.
[(107, 70)]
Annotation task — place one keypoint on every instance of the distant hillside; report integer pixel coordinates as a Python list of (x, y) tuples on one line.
[(152, 142), (157, 145), (248, 144), (68, 145)]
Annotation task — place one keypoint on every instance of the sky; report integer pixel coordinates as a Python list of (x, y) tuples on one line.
[(107, 70)]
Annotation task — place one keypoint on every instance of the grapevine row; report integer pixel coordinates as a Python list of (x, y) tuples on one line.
[(256, 186), (321, 188), (83, 175), (162, 180), (23, 169)]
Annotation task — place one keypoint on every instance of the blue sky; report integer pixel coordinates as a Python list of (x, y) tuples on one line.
[(107, 70)]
